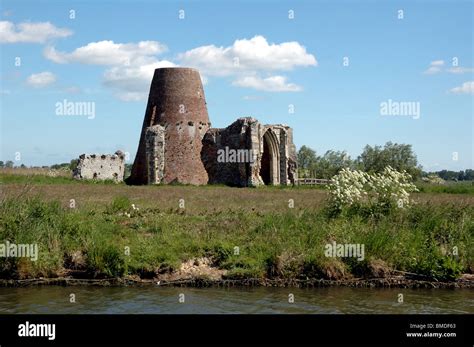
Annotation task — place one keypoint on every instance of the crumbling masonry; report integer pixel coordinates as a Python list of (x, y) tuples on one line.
[(178, 145), (101, 167), (270, 146)]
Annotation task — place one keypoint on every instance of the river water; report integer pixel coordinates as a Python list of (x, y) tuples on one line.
[(149, 300)]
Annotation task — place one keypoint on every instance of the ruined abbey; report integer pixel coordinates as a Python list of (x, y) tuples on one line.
[(178, 145)]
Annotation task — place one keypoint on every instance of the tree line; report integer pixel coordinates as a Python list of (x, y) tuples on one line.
[(373, 159), (70, 166), (448, 175)]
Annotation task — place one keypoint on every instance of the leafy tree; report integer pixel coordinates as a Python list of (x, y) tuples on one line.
[(9, 164), (398, 156), (306, 158), (73, 164), (469, 175), (331, 163), (60, 166), (2, 164), (448, 175)]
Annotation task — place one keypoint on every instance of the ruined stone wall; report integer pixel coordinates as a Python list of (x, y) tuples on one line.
[(236, 142), (255, 138), (283, 148), (286, 155), (155, 153), (247, 134), (101, 167), (291, 158)]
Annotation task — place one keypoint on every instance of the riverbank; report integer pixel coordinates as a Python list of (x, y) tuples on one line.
[(464, 282), (215, 234)]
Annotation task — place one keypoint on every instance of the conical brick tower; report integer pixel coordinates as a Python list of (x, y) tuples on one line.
[(175, 122)]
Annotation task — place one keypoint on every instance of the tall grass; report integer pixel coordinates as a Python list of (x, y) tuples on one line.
[(277, 245)]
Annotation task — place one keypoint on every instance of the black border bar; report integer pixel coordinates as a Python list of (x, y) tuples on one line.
[(242, 329)]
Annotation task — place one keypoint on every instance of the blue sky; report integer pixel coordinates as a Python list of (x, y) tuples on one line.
[(107, 53)]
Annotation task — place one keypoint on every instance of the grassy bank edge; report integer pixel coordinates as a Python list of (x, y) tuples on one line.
[(89, 243), (394, 282)]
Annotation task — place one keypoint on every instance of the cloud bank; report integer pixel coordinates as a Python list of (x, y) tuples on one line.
[(39, 32)]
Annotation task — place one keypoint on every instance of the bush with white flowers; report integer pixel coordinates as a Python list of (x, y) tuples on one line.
[(354, 188), (433, 179)]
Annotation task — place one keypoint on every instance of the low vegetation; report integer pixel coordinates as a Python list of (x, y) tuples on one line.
[(112, 230)]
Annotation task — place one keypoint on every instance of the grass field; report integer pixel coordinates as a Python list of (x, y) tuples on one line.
[(273, 240), (449, 187)]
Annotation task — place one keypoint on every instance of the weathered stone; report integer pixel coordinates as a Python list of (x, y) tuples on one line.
[(176, 102), (178, 145), (101, 167), (268, 152), (155, 153)]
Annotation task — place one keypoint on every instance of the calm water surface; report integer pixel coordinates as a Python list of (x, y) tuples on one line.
[(132, 300)]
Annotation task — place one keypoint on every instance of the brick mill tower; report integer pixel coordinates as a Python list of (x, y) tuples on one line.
[(175, 123)]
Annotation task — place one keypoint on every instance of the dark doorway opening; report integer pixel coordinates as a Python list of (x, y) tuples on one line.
[(265, 163)]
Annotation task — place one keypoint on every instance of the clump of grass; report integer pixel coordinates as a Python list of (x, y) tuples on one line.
[(120, 204), (105, 259)]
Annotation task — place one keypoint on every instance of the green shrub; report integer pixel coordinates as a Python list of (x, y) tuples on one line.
[(120, 204), (106, 260), (437, 267)]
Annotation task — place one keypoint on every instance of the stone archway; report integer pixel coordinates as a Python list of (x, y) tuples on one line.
[(269, 163)]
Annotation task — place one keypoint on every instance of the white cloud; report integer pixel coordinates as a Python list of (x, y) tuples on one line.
[(38, 32), (132, 83), (438, 65), (107, 53), (246, 58), (269, 84), (432, 70), (435, 67), (40, 80), (247, 55), (465, 88), (131, 64)]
